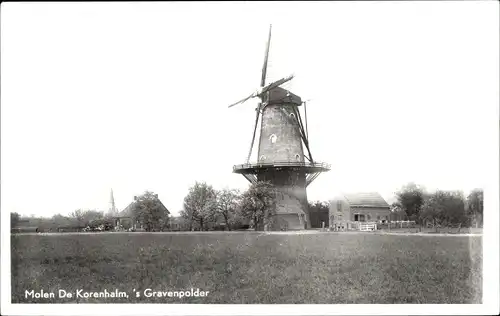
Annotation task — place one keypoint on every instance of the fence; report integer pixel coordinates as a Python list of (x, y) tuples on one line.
[(398, 224), (365, 227)]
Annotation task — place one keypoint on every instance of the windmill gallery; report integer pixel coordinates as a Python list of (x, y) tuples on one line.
[(281, 157)]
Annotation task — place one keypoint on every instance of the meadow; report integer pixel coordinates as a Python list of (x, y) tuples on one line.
[(251, 267)]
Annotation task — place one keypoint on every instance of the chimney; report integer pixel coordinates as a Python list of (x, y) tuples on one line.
[(135, 198), (156, 195)]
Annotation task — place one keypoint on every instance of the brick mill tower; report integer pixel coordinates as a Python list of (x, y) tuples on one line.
[(281, 157)]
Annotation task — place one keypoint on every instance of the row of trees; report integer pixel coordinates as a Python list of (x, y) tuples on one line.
[(75, 220), (205, 207), (147, 212), (439, 208), (83, 218)]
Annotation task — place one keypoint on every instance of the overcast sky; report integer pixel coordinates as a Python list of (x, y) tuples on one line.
[(134, 96)]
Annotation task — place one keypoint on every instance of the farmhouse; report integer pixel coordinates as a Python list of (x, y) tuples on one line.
[(347, 211), (125, 218)]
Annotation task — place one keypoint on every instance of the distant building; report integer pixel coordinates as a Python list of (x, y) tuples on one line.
[(348, 210), (24, 226), (178, 223), (126, 218)]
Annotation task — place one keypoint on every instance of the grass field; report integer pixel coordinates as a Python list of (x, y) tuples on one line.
[(327, 268)]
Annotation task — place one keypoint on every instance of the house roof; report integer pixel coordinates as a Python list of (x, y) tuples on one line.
[(127, 212), (367, 199)]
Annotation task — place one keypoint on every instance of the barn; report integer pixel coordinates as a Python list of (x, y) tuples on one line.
[(347, 211)]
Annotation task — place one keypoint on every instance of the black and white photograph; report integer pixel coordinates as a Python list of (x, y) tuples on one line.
[(250, 158)]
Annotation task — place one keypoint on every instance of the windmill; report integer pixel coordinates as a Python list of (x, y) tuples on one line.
[(281, 159)]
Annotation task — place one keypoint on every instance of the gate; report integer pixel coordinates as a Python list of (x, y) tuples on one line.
[(367, 227)]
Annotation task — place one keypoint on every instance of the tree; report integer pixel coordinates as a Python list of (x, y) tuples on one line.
[(455, 213), (410, 199), (200, 205), (77, 215), (85, 217), (227, 205), (258, 204), (14, 219), (397, 212), (433, 209), (150, 212), (444, 208), (178, 223), (187, 216), (59, 220), (107, 221), (475, 205), (318, 213), (238, 221)]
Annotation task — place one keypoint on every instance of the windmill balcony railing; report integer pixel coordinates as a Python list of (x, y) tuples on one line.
[(319, 165)]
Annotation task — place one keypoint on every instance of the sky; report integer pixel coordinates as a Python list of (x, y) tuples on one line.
[(133, 96)]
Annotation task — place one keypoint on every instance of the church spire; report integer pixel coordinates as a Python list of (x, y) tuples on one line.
[(112, 206)]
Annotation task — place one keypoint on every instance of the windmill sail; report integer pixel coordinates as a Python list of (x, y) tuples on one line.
[(280, 57), (262, 83), (243, 100), (257, 114), (266, 58)]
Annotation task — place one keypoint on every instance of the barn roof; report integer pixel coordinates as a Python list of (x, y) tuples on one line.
[(367, 199)]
